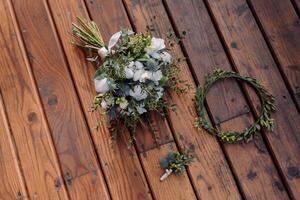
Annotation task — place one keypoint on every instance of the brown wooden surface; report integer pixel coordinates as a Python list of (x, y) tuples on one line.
[(281, 25), (256, 182), (68, 127), (252, 57), (11, 177), (27, 122), (51, 150)]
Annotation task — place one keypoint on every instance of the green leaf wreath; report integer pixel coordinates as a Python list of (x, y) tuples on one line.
[(264, 120)]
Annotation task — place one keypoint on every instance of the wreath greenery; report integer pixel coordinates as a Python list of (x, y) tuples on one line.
[(264, 120)]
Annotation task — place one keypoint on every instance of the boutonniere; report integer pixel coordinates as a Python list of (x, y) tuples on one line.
[(175, 162)]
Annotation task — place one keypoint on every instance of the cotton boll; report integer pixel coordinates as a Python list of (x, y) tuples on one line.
[(102, 52), (166, 57), (101, 85)]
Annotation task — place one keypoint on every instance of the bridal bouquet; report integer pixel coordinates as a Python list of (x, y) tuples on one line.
[(134, 70)]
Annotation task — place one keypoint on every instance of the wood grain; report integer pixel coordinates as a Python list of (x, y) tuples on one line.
[(211, 162), (11, 177), (27, 122), (226, 103), (122, 168), (252, 57), (282, 27), (146, 145), (63, 110)]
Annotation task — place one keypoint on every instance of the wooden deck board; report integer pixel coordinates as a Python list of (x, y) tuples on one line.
[(62, 107), (30, 132), (229, 98), (145, 143), (11, 177), (123, 171), (252, 57), (152, 13), (50, 149), (281, 26)]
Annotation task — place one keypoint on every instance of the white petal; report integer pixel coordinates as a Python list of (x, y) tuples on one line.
[(102, 52), (114, 40), (137, 74), (104, 104), (128, 73), (140, 108), (166, 57), (101, 86), (155, 55), (124, 104), (138, 65)]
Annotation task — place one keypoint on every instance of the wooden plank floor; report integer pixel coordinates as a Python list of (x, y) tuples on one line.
[(49, 148)]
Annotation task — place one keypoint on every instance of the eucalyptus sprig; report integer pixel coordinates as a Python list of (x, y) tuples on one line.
[(264, 120), (176, 162)]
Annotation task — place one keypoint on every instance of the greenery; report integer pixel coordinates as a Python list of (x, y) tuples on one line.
[(132, 74), (177, 161), (264, 120)]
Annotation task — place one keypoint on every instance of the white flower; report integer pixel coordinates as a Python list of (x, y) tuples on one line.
[(107, 102), (140, 108), (137, 75), (145, 75), (155, 55), (102, 52), (123, 104), (128, 73), (138, 65), (138, 93), (131, 65), (101, 85), (156, 45), (104, 104), (166, 57), (156, 76)]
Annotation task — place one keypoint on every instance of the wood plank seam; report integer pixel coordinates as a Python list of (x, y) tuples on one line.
[(65, 56), (140, 132), (36, 94), (173, 140), (189, 62), (184, 50), (12, 144), (234, 65), (167, 117), (65, 60), (296, 7), (292, 92)]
